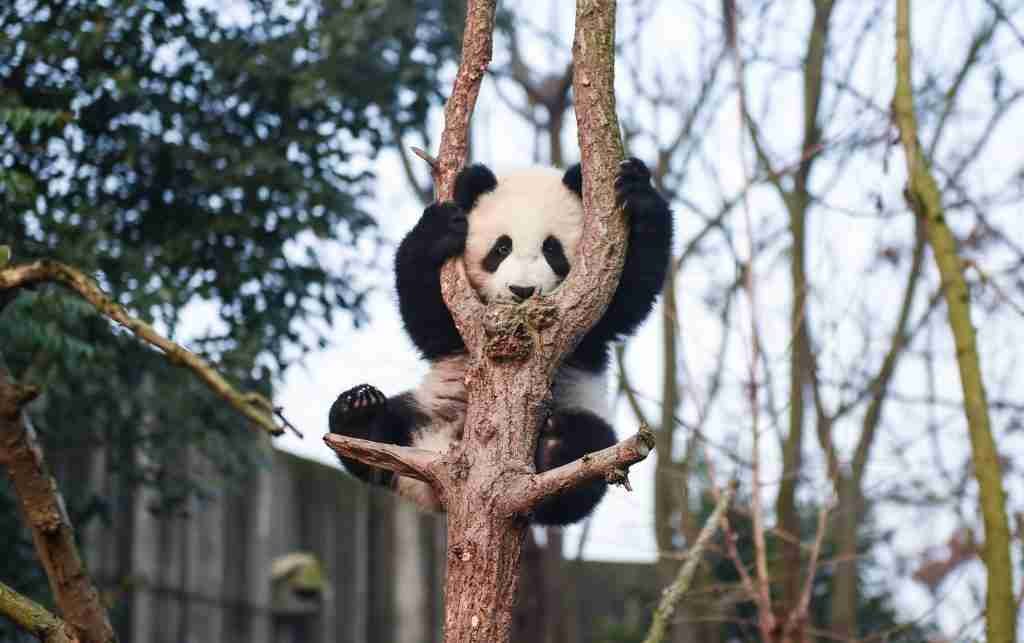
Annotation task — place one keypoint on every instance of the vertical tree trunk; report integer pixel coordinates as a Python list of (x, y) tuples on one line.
[(487, 483), (926, 201)]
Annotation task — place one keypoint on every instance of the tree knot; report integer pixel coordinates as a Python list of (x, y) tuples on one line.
[(512, 330)]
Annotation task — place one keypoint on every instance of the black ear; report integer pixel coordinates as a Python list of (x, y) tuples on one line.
[(573, 179), (471, 182)]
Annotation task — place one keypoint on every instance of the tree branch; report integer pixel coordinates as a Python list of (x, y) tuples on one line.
[(252, 405), (528, 491), (33, 618), (416, 463), (44, 512), (674, 592)]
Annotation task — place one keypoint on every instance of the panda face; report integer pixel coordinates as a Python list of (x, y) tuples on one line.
[(523, 235)]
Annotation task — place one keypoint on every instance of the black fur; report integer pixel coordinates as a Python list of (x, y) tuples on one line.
[(471, 182), (554, 254), (650, 244), (573, 179), (502, 248), (366, 413), (568, 436), (440, 234)]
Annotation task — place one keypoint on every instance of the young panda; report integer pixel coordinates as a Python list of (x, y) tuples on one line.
[(518, 236)]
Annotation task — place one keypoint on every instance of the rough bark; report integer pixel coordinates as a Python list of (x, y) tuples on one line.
[(43, 509), (254, 406), (33, 618), (925, 199), (487, 483)]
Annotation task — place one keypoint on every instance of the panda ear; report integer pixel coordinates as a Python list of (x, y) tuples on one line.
[(471, 182), (573, 179)]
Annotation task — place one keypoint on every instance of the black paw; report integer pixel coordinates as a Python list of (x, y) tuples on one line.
[(355, 402), (447, 227), (634, 180)]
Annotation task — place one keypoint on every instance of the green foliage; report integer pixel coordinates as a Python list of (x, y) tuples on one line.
[(181, 157), (185, 159)]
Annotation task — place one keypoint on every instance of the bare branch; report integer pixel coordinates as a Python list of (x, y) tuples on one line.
[(525, 493), (34, 618), (674, 592), (476, 56), (252, 405), (44, 513), (406, 461)]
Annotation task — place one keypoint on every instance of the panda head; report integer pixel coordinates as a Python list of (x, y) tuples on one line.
[(524, 229)]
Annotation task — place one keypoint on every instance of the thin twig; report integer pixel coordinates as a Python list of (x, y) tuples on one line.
[(674, 592)]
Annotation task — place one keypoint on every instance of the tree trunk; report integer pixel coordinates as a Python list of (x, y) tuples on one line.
[(926, 201), (483, 574)]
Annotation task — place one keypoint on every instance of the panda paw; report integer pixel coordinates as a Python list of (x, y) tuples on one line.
[(634, 180), (447, 227), (358, 401)]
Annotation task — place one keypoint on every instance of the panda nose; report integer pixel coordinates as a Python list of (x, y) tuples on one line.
[(522, 292)]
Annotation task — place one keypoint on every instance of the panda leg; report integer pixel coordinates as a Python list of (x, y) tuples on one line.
[(364, 412), (568, 436)]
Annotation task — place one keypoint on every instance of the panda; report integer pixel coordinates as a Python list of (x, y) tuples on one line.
[(518, 237)]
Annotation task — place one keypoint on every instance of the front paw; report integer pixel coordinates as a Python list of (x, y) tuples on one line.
[(447, 227), (634, 180), (356, 403)]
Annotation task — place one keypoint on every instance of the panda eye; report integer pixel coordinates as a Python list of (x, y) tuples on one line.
[(550, 244), (503, 247)]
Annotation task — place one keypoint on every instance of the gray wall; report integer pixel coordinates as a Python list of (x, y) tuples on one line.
[(205, 577)]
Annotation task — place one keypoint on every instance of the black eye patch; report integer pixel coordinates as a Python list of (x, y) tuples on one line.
[(502, 248), (555, 256)]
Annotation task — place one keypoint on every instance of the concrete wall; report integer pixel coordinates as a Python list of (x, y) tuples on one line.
[(205, 576)]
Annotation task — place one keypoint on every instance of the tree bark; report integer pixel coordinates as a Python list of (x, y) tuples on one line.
[(33, 618), (926, 201), (43, 510)]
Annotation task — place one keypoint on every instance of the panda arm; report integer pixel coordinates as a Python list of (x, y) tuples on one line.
[(650, 244), (364, 412), (439, 235)]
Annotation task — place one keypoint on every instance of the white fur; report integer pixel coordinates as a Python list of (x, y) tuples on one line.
[(528, 206), (576, 389)]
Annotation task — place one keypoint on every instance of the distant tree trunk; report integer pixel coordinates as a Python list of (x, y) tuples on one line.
[(926, 201)]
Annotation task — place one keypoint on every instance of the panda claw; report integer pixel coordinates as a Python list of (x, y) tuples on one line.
[(359, 398)]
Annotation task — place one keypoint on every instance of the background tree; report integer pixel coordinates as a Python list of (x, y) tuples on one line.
[(190, 162)]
